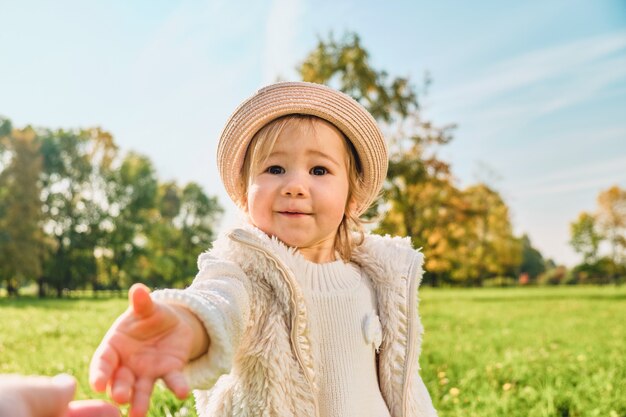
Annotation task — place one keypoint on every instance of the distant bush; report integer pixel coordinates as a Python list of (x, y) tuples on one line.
[(500, 282), (602, 271), (553, 276)]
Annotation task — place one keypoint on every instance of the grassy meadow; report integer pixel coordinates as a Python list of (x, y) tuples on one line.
[(558, 351)]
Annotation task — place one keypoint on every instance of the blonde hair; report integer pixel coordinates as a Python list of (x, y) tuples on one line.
[(261, 147)]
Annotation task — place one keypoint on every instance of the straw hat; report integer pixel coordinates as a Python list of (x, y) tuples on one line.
[(285, 98)]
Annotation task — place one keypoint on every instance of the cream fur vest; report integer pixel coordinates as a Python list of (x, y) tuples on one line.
[(260, 362)]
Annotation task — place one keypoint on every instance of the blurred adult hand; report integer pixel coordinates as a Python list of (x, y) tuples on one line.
[(40, 396)]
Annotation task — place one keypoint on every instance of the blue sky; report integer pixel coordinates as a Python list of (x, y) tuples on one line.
[(537, 88)]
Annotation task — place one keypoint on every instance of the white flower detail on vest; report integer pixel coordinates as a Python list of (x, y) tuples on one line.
[(372, 330)]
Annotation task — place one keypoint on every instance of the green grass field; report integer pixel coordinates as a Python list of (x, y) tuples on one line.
[(487, 352)]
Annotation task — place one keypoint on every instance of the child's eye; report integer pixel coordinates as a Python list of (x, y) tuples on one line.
[(275, 170), (319, 171)]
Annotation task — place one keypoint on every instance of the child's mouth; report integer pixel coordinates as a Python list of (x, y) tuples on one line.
[(293, 213)]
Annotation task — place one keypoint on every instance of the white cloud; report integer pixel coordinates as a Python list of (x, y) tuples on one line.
[(534, 67), (567, 186), (496, 115), (592, 175)]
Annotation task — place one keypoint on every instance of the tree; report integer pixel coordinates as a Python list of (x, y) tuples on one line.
[(182, 229), (5, 131), (198, 213), (590, 231), (22, 246), (612, 221), (75, 163), (533, 263), (488, 247), (435, 225), (414, 174), (103, 221), (158, 264), (585, 237), (463, 237), (345, 65), (131, 201)]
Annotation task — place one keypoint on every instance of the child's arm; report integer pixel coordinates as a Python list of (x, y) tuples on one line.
[(151, 340)]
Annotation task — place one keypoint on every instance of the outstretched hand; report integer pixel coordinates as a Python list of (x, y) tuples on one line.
[(41, 396), (149, 341)]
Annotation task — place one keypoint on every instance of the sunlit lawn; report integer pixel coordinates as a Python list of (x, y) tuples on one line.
[(526, 352), (487, 352)]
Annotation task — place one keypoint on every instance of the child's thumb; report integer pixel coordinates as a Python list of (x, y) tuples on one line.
[(140, 301)]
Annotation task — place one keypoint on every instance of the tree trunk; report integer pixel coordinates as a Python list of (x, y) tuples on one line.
[(41, 287), (12, 289)]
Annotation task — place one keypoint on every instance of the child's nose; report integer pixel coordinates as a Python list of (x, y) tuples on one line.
[(295, 186)]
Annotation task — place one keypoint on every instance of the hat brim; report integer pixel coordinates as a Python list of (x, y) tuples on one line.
[(285, 98)]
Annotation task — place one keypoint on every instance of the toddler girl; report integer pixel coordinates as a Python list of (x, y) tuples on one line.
[(299, 312)]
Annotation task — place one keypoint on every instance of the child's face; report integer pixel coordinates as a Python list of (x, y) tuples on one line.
[(299, 193)]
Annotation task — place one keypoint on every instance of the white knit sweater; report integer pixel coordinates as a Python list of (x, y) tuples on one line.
[(261, 360), (344, 323)]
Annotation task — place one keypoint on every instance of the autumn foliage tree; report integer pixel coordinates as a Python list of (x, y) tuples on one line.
[(606, 226), (465, 234), (611, 218), (488, 246)]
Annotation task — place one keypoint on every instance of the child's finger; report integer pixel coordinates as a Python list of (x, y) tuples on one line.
[(122, 385), (140, 301), (102, 366), (141, 397), (177, 383)]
